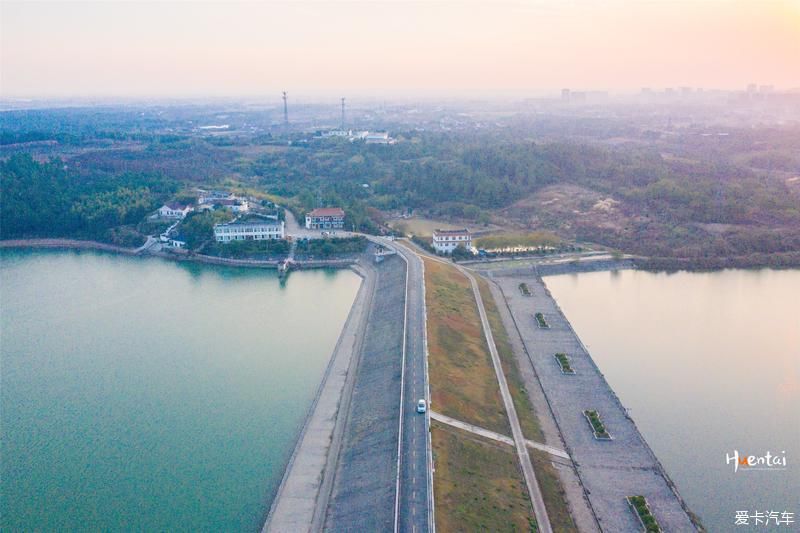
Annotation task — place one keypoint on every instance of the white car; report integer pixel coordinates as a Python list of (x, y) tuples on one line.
[(421, 407)]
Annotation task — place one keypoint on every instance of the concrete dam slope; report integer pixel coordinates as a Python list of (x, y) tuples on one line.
[(298, 505), (363, 493), (609, 470)]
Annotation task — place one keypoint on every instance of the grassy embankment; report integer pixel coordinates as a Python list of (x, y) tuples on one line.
[(420, 226), (549, 482), (478, 485), (512, 241), (463, 382)]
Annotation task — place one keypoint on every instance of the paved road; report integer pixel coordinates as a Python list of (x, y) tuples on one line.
[(414, 504)]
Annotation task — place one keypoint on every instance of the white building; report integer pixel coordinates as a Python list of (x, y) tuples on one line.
[(253, 227), (445, 240), (236, 205), (212, 197), (377, 137), (325, 218), (176, 242), (173, 210)]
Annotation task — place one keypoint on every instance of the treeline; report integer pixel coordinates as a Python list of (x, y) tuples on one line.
[(49, 200), (327, 248), (423, 174)]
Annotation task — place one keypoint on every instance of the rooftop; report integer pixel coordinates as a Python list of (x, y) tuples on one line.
[(327, 212), (252, 219), (450, 232)]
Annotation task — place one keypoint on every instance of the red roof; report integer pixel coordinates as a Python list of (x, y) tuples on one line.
[(327, 212)]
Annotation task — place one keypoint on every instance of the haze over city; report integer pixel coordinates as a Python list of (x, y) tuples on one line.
[(394, 48)]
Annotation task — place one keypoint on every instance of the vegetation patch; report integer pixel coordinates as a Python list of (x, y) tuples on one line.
[(264, 250), (524, 289), (477, 485), (329, 248), (424, 243), (527, 416), (563, 363), (463, 382), (598, 428), (419, 226), (642, 510), (546, 475), (514, 241), (540, 321), (555, 499)]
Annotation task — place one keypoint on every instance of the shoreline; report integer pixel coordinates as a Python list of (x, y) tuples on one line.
[(66, 244), (76, 244), (604, 474), (300, 502)]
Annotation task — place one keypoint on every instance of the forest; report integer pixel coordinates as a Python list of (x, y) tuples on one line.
[(677, 199)]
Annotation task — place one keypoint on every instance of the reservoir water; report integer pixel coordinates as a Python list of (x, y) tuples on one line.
[(707, 363), (140, 394)]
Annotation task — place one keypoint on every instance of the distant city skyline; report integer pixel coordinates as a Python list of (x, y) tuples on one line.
[(394, 48)]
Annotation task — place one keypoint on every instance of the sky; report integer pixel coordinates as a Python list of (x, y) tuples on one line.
[(393, 47)]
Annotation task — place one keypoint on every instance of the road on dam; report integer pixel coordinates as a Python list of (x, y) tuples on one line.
[(382, 480), (415, 494)]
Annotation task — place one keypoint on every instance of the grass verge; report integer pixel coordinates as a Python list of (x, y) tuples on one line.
[(477, 485), (525, 413), (546, 474), (462, 378), (555, 499)]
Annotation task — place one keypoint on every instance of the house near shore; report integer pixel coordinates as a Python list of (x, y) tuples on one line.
[(250, 228), (447, 240), (174, 210), (211, 197), (176, 242), (325, 218), (225, 200), (235, 205)]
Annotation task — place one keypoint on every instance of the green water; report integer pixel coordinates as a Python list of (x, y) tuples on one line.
[(140, 394)]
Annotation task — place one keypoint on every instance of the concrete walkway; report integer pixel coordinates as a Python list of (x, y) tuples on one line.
[(444, 419), (609, 471), (539, 509), (297, 506)]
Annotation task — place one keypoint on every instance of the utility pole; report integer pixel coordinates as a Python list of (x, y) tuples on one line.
[(342, 114), (285, 111)]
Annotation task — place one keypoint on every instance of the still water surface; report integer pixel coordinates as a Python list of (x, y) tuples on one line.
[(708, 363), (139, 394)]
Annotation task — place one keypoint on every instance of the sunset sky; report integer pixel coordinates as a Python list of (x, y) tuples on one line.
[(394, 48)]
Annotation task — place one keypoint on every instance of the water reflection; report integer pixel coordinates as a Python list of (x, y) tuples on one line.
[(708, 363)]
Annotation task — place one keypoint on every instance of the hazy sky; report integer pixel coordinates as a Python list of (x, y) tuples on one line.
[(393, 48)]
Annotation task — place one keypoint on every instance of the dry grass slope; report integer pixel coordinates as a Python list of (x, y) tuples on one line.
[(546, 475), (463, 383), (525, 413), (478, 486), (555, 499)]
